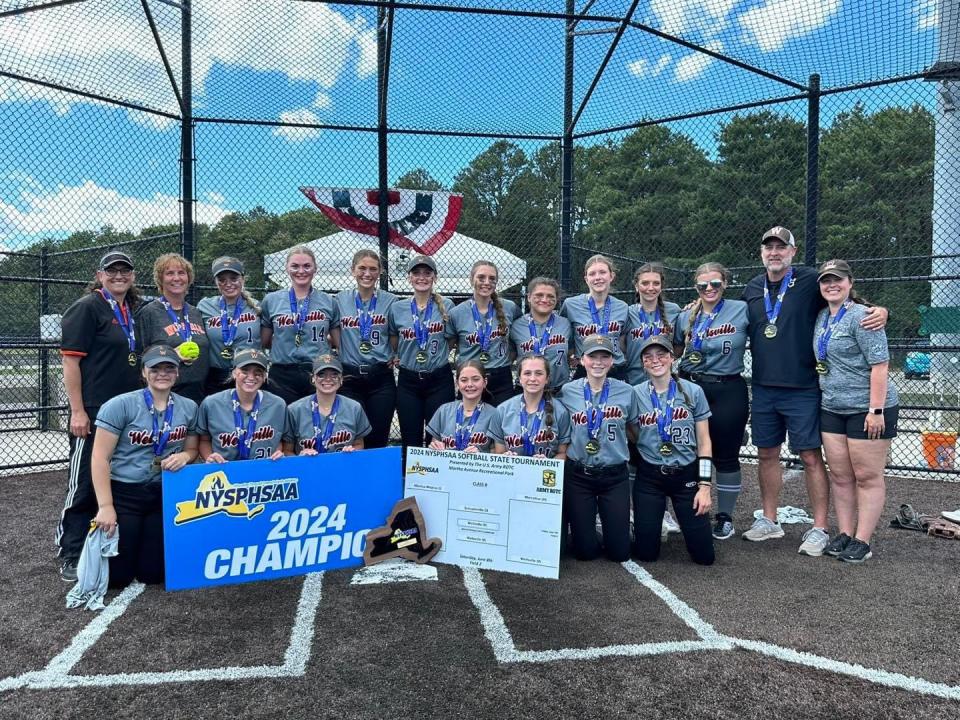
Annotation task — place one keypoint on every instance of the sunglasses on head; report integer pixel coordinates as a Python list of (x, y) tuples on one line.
[(715, 284)]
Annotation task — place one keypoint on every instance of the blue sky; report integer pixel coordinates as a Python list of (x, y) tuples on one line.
[(69, 164)]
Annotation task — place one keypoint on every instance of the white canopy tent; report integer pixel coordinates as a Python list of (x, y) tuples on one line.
[(454, 261)]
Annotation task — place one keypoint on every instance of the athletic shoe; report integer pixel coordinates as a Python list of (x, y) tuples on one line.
[(952, 516), (68, 570), (763, 529), (669, 524), (722, 527), (857, 551), (814, 542), (837, 545)]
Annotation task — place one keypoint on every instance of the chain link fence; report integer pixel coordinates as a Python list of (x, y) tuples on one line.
[(646, 131)]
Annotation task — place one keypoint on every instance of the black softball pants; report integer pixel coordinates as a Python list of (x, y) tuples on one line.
[(500, 384), (140, 523), (729, 408), (375, 389), (291, 381), (589, 490), (80, 505), (653, 485), (419, 396)]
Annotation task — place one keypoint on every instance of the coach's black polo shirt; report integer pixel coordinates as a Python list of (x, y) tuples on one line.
[(786, 360), (91, 332)]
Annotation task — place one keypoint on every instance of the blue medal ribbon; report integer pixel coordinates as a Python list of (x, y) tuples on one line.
[(300, 308), (651, 326), (182, 322), (159, 434), (595, 414), (229, 326), (322, 433), (540, 343), (773, 310), (484, 325), (664, 414), (528, 434), (124, 317), (421, 329), (702, 324), (245, 436), (823, 337), (603, 324), (365, 317), (461, 437)]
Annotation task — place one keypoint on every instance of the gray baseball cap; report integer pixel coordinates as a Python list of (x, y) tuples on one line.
[(227, 264), (327, 362), (251, 356), (424, 260), (779, 233), (156, 354), (597, 343), (115, 257), (659, 341)]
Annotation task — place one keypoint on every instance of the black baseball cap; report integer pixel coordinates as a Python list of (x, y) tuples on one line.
[(156, 354), (115, 257), (227, 264)]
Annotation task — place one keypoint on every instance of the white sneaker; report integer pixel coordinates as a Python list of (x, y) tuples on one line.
[(815, 541), (669, 524), (952, 516), (763, 529)]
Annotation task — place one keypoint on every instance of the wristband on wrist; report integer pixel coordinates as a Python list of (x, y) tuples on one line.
[(705, 470)]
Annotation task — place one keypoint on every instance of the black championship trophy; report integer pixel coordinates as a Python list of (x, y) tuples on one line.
[(402, 537)]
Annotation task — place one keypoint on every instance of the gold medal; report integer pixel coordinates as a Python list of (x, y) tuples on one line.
[(822, 367), (422, 356), (227, 353), (132, 359), (695, 358), (666, 449), (298, 339), (770, 331), (155, 466), (365, 347), (484, 357), (592, 447)]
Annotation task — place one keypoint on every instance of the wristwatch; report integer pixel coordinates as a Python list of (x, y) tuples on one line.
[(875, 411)]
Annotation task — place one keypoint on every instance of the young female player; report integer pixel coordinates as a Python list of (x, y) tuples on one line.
[(297, 324), (597, 312), (364, 346), (232, 322), (418, 336), (140, 434), (543, 332), (464, 424), (326, 421), (711, 338), (171, 320), (481, 326), (675, 457), (603, 414), (649, 315), (532, 423), (244, 422)]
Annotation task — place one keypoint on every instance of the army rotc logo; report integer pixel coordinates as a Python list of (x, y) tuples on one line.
[(549, 478)]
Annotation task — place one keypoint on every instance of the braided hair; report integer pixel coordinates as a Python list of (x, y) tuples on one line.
[(654, 267), (697, 308), (494, 298), (548, 415)]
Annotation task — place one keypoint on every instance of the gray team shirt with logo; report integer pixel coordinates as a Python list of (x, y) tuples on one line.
[(127, 417), (577, 310), (443, 426), (380, 351), (683, 432), (248, 329), (851, 352), (437, 349), (558, 345), (464, 328), (635, 337), (506, 431), (621, 410), (725, 342), (321, 316), (351, 423), (216, 421)]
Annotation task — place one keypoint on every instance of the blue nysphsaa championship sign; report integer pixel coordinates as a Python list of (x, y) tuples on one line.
[(261, 519)]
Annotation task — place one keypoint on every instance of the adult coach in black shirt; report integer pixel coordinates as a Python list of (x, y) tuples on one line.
[(783, 304), (100, 361)]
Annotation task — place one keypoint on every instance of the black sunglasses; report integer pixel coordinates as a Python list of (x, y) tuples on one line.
[(715, 284)]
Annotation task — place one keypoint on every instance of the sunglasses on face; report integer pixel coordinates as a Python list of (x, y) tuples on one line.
[(715, 284)]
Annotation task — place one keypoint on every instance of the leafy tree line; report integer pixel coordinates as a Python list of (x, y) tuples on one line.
[(654, 194)]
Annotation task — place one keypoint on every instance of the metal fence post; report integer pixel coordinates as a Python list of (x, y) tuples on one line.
[(187, 158), (813, 170), (44, 354), (384, 35), (566, 151)]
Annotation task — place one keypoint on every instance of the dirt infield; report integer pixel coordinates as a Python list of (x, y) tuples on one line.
[(763, 633)]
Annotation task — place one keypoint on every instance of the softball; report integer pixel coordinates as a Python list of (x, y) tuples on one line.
[(188, 351)]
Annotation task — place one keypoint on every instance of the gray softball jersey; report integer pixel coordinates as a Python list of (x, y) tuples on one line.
[(558, 347), (621, 410), (321, 316), (851, 352), (577, 310), (724, 344), (380, 351), (248, 329), (351, 423), (443, 426), (215, 420), (683, 432), (127, 417), (506, 428), (635, 337), (437, 349), (464, 328)]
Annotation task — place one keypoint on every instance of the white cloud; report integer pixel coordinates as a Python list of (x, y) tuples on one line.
[(322, 101), (645, 68), (775, 22), (925, 11), (706, 18), (692, 66), (298, 134), (89, 206)]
